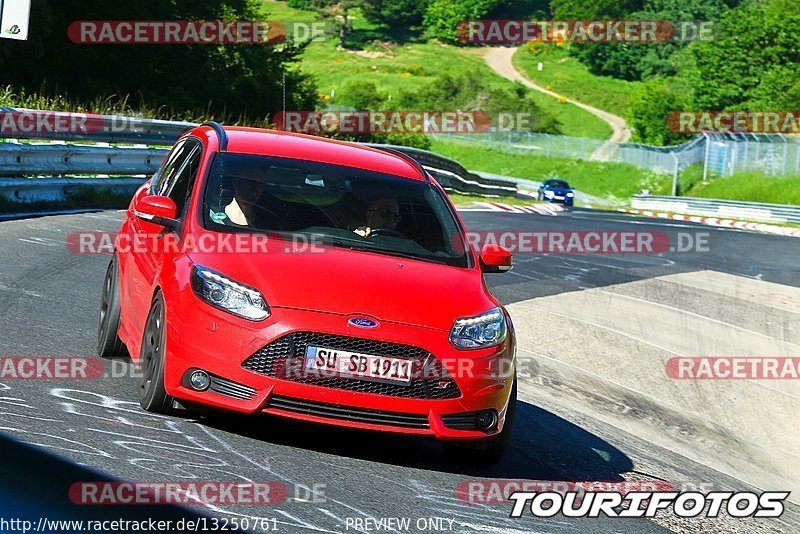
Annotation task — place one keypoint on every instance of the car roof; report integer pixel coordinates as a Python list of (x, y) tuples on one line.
[(277, 143)]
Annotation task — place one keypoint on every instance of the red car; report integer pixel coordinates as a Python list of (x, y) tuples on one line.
[(267, 272)]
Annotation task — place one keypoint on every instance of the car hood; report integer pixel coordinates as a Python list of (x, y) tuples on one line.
[(353, 283)]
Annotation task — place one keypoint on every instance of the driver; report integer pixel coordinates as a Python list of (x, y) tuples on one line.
[(247, 191), (382, 212)]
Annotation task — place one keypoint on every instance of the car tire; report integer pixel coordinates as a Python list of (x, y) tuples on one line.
[(490, 452), (109, 344), (152, 395)]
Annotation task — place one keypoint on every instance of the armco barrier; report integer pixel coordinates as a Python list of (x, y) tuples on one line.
[(57, 158), (24, 159), (453, 176), (732, 209), (26, 190), (107, 128)]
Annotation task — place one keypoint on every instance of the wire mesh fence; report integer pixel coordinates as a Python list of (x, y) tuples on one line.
[(721, 154), (770, 154)]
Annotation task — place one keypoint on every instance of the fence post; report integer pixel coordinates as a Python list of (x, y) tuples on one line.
[(705, 158), (785, 154), (675, 175)]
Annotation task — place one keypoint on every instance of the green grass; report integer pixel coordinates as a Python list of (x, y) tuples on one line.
[(396, 62), (613, 181), (569, 77), (749, 186), (461, 199)]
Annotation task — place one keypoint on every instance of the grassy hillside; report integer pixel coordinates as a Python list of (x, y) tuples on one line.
[(614, 181), (394, 64), (750, 186), (567, 76)]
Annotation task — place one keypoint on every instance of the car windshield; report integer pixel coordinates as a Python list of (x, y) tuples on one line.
[(342, 206), (560, 184)]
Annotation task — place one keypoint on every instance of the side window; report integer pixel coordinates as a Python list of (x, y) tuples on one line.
[(179, 182), (172, 164)]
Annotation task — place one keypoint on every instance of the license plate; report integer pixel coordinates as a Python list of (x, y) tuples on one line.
[(327, 362), (559, 197)]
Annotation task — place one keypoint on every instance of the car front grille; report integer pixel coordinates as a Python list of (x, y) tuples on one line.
[(347, 413), (283, 359)]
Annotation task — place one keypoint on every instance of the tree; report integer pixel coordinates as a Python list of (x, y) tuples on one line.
[(755, 46), (222, 80), (637, 61), (395, 13), (337, 11)]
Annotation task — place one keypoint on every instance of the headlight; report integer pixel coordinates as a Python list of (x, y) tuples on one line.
[(570, 195), (225, 294), (486, 330), (549, 194)]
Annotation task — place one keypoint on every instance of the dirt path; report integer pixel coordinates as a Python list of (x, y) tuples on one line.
[(499, 59)]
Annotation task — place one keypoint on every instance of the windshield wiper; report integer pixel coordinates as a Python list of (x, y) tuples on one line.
[(361, 247)]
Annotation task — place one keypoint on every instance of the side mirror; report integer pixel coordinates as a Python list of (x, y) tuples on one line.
[(495, 259), (158, 210)]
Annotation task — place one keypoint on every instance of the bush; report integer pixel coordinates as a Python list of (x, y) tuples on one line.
[(442, 17), (362, 95), (648, 110)]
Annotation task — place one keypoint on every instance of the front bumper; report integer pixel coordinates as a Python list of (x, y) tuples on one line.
[(202, 337), (567, 201)]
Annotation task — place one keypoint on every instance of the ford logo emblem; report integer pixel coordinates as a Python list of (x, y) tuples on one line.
[(362, 322)]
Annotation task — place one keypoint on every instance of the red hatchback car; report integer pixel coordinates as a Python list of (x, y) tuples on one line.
[(267, 272)]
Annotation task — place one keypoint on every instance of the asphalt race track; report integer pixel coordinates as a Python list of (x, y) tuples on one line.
[(48, 306)]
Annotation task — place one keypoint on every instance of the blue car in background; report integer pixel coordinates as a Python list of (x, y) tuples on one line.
[(556, 191)]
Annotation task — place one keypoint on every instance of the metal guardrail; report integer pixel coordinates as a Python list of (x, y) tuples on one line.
[(27, 190), (27, 159), (89, 127), (453, 176), (732, 209), (58, 159)]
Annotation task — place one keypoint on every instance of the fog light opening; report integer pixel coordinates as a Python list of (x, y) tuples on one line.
[(199, 380), (487, 419)]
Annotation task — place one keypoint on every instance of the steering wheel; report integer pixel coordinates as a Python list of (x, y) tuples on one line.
[(386, 232)]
